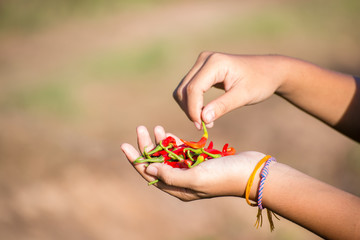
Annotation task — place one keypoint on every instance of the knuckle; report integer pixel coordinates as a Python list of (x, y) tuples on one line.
[(204, 55), (220, 107), (177, 94), (179, 91), (216, 57), (191, 88)]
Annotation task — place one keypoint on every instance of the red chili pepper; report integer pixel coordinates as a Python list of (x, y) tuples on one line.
[(188, 163), (226, 151), (169, 140), (177, 164), (213, 151), (225, 147), (179, 150), (211, 145), (159, 153), (229, 151), (187, 155), (164, 143), (201, 143)]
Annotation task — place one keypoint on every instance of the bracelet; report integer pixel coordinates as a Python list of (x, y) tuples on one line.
[(263, 176), (251, 180), (267, 160)]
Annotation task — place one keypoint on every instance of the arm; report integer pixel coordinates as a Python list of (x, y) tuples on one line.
[(325, 210), (321, 208), (332, 97), (329, 96)]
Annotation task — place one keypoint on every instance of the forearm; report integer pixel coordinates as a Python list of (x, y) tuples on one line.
[(322, 93), (321, 208)]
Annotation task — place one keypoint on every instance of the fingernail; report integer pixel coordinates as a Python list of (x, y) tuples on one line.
[(210, 125), (151, 170), (209, 116), (197, 125)]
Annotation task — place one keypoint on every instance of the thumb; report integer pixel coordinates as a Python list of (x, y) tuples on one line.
[(222, 105), (171, 176)]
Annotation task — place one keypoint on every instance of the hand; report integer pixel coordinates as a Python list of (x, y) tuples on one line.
[(245, 80), (225, 176)]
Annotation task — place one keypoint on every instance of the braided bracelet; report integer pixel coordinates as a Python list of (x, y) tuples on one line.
[(267, 160), (263, 176)]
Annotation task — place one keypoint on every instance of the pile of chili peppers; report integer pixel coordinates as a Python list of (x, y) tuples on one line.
[(186, 155)]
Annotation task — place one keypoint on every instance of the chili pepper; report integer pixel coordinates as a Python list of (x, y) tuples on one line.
[(225, 147), (153, 182), (159, 153), (164, 143), (213, 153), (201, 143), (171, 154), (216, 153), (187, 155), (196, 151), (200, 159), (169, 140), (180, 151), (190, 156), (188, 163), (228, 150), (176, 164), (150, 160)]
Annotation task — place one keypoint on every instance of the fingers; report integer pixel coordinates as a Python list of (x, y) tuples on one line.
[(144, 143), (181, 193), (213, 73), (159, 132), (222, 105), (132, 154), (184, 194), (181, 95), (211, 69), (177, 139), (144, 139), (183, 178), (178, 93)]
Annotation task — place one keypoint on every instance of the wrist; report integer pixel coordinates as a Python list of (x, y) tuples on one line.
[(286, 68), (247, 163), (256, 180)]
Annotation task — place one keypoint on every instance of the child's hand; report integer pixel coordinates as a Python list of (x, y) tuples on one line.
[(245, 79), (225, 176)]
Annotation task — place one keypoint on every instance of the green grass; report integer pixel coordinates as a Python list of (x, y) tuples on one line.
[(313, 18), (134, 63), (54, 93), (50, 97), (32, 15)]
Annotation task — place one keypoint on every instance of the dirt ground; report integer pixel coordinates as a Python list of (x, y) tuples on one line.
[(73, 92)]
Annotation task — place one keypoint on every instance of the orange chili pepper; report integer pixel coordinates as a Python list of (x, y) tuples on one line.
[(201, 143)]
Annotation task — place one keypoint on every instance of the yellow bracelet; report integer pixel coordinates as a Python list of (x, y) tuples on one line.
[(251, 180)]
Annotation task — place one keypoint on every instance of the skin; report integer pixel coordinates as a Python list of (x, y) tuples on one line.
[(329, 96)]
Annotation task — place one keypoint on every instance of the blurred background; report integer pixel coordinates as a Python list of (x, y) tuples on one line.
[(78, 76)]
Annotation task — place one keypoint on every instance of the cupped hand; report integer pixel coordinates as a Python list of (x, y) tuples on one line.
[(226, 176), (245, 79)]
